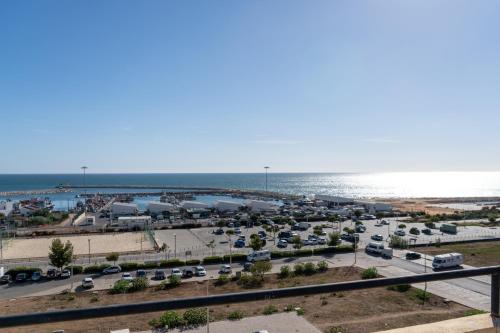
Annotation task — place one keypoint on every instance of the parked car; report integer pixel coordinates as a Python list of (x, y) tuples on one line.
[(230, 225), (321, 240), (112, 270), (87, 283), (176, 272), (378, 238), (262, 234), (53, 273), (5, 279), (247, 266), (384, 222), (225, 269), (282, 243), (127, 276), (239, 243), (36, 276), (66, 274), (399, 232), (140, 273), (21, 277), (187, 273), (413, 256), (159, 275), (360, 228), (237, 231), (219, 231), (427, 231), (200, 271)]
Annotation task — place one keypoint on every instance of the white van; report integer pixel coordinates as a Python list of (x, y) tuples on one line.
[(448, 260), (259, 256), (374, 247)]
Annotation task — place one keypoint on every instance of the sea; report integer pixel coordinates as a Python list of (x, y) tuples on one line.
[(357, 185)]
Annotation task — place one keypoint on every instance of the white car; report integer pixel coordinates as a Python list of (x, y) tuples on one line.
[(88, 283), (225, 269), (127, 277), (66, 274), (176, 272), (200, 271), (321, 240), (399, 232)]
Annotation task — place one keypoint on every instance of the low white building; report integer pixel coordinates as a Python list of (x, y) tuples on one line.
[(124, 208), (194, 205), (374, 207), (334, 200), (132, 222), (261, 206), (6, 208), (155, 207), (227, 206)]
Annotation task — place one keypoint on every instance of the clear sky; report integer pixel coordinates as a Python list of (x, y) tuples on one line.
[(232, 86)]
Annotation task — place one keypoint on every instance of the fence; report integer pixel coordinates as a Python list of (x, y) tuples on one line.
[(144, 307)]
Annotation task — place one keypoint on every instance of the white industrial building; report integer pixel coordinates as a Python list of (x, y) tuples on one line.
[(194, 205), (260, 206), (374, 207), (227, 206), (6, 208), (334, 200), (155, 207), (124, 208), (132, 222)]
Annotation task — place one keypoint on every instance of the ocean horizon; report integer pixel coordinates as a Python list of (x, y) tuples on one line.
[(359, 185)]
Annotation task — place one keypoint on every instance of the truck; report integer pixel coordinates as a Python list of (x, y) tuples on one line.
[(448, 228), (374, 247), (386, 253), (448, 260)]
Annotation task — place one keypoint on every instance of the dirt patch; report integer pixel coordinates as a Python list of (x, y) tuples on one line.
[(475, 254), (357, 311)]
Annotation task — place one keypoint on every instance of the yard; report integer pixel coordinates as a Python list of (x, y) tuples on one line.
[(357, 311)]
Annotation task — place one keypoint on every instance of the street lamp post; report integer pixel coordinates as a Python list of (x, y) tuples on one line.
[(175, 245), (89, 250), (266, 168), (208, 309)]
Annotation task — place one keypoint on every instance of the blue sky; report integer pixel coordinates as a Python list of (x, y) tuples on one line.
[(231, 86)]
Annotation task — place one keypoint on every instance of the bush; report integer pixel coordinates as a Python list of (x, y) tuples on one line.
[(174, 281), (322, 266), (298, 269), (290, 307), (235, 315), (195, 317), (213, 260), (400, 288), (421, 295), (309, 268), (95, 268), (153, 265), (284, 272), (222, 279), (76, 269), (120, 287), (21, 269), (369, 273), (402, 226), (170, 319), (129, 266), (398, 242), (193, 262), (414, 231), (269, 310), (430, 225), (237, 257), (334, 239), (139, 284), (249, 281), (172, 263)]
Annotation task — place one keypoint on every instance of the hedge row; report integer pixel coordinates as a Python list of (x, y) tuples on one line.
[(16, 270)]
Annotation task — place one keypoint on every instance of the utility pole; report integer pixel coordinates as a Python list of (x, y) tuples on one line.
[(89, 251), (175, 245), (266, 168), (208, 309)]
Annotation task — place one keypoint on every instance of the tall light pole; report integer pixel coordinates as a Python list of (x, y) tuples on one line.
[(266, 168), (175, 245), (84, 168), (89, 251)]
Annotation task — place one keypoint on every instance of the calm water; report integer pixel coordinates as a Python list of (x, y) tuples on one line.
[(397, 185)]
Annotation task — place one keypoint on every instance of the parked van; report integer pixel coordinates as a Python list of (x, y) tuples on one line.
[(448, 228), (259, 256), (304, 226), (387, 253), (374, 247), (447, 260)]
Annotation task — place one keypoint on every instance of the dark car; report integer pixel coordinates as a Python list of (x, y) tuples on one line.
[(21, 277), (360, 228), (427, 231), (187, 273), (219, 231), (413, 256), (5, 279), (140, 273), (160, 275), (53, 273), (239, 243), (247, 266)]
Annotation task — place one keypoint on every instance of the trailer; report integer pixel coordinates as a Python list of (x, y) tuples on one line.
[(448, 228), (448, 260)]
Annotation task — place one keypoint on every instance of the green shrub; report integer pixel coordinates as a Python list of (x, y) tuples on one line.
[(174, 281), (236, 257), (139, 284), (195, 317), (298, 269), (473, 312), (129, 266), (398, 242), (300, 312), (213, 260), (369, 273), (249, 281), (284, 272), (193, 262), (95, 268), (269, 310), (400, 288), (402, 226), (170, 319), (171, 263), (334, 239), (290, 307), (120, 287), (421, 295), (222, 279), (21, 269), (430, 225), (235, 315), (414, 231), (309, 268), (322, 266), (76, 269), (154, 264)]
